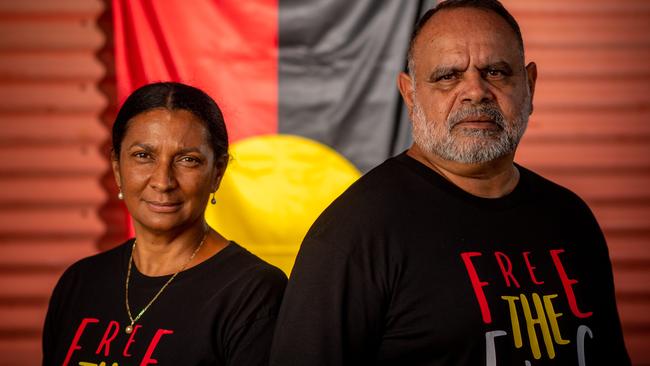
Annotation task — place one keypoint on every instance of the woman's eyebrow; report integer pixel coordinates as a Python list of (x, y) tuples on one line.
[(142, 145), (189, 150)]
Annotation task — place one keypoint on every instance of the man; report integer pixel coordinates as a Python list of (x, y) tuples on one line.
[(451, 254)]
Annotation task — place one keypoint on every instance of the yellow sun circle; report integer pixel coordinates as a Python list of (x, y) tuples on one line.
[(274, 188)]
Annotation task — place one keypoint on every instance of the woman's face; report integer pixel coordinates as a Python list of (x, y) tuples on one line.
[(166, 170)]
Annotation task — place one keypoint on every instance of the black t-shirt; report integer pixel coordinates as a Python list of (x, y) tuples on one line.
[(405, 268), (220, 312)]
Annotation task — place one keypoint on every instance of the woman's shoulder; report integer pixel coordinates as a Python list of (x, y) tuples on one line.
[(88, 271), (253, 288), (99, 262), (243, 265), (106, 257)]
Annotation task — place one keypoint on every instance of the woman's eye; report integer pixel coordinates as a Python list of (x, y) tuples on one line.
[(190, 160)]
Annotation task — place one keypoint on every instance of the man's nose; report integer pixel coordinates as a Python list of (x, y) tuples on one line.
[(476, 90)]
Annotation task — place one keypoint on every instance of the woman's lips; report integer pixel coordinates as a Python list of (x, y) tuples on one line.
[(163, 207)]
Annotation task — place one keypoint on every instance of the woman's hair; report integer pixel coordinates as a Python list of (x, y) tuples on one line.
[(173, 96)]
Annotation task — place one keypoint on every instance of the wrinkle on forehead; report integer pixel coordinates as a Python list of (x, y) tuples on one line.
[(175, 128), (463, 35)]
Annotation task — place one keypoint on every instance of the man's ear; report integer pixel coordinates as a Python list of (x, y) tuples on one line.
[(405, 86), (115, 165), (531, 71)]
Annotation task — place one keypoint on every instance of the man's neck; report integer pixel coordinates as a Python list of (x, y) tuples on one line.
[(492, 179)]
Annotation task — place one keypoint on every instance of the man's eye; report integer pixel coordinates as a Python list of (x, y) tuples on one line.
[(447, 77), (141, 155), (495, 73)]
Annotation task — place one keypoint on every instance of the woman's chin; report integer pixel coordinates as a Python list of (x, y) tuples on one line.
[(160, 223)]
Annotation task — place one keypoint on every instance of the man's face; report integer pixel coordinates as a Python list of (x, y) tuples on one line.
[(469, 95)]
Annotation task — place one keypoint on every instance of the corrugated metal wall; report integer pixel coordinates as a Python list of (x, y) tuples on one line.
[(56, 98), (590, 131)]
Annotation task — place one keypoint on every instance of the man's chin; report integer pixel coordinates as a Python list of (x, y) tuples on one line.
[(477, 135), (474, 154)]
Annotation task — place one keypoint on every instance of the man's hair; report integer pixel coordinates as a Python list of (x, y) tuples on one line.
[(489, 5)]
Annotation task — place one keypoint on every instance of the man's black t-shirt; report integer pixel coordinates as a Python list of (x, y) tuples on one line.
[(407, 269), (219, 312)]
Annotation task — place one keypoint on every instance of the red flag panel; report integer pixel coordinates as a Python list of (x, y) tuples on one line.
[(228, 48)]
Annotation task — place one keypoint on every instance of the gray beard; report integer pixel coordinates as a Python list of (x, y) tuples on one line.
[(470, 145)]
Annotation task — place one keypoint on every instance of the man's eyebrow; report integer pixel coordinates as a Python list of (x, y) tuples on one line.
[(441, 71), (499, 65)]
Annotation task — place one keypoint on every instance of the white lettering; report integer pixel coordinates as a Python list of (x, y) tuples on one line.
[(582, 330), (490, 349)]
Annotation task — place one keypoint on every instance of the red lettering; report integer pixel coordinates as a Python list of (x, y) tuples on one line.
[(530, 269), (147, 360), (131, 340), (507, 272), (477, 285), (107, 339), (74, 346), (567, 283)]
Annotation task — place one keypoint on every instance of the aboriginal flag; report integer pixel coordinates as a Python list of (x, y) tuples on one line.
[(307, 88)]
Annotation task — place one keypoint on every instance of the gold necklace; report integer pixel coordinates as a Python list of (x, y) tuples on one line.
[(129, 328)]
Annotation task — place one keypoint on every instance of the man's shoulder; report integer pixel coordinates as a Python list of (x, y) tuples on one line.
[(374, 202), (546, 190), (375, 191)]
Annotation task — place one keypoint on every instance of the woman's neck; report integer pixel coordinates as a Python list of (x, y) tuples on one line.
[(159, 254)]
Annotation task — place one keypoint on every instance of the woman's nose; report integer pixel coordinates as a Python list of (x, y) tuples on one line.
[(162, 177)]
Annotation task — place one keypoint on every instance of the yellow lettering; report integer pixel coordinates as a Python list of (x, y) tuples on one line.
[(552, 318), (516, 329), (543, 324)]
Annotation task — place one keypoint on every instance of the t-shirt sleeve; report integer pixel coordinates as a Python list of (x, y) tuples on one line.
[(52, 318), (612, 344), (249, 340), (49, 330), (332, 310)]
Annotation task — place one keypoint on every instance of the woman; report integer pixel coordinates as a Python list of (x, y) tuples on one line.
[(179, 293)]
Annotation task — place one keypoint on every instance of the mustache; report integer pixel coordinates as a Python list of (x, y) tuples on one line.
[(479, 112)]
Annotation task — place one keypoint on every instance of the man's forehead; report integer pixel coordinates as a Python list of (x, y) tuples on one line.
[(450, 27)]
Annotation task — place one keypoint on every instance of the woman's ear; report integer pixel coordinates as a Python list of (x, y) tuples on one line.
[(220, 168), (115, 165)]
